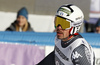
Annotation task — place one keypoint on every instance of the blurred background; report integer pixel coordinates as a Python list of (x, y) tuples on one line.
[(40, 12), (41, 17)]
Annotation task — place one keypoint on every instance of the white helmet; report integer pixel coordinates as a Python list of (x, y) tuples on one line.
[(73, 14)]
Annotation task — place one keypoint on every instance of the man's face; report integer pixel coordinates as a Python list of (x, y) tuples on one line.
[(61, 33), (98, 29)]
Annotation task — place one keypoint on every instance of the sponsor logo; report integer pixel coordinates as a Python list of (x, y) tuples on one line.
[(57, 63), (61, 13), (79, 18), (68, 11), (88, 55), (65, 11), (75, 55), (61, 54)]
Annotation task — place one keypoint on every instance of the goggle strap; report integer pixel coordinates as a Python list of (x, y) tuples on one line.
[(73, 30)]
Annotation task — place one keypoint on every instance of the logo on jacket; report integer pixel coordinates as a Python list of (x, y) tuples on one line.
[(76, 55)]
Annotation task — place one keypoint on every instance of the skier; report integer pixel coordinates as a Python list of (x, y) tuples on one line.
[(70, 47)]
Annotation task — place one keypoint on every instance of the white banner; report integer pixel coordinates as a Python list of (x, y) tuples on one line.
[(95, 9), (97, 55)]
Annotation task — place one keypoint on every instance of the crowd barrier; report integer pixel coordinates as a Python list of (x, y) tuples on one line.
[(29, 48), (36, 38)]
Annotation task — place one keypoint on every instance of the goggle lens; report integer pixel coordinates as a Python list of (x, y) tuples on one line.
[(63, 22)]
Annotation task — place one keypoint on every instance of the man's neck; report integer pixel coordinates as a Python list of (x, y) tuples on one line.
[(68, 38)]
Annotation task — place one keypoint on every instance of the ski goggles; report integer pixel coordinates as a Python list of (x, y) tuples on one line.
[(65, 24)]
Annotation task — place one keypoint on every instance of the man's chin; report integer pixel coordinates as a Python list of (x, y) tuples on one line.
[(59, 37)]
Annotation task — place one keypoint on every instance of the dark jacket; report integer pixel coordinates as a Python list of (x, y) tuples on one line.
[(13, 27)]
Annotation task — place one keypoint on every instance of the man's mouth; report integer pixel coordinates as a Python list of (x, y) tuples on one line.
[(59, 33)]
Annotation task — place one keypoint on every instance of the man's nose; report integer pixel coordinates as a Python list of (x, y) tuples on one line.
[(59, 27)]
